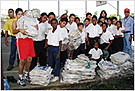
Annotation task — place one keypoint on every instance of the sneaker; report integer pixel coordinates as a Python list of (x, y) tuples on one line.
[(55, 79), (20, 82), (10, 67), (27, 78)]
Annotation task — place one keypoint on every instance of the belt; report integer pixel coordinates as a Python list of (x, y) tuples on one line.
[(52, 46), (127, 32)]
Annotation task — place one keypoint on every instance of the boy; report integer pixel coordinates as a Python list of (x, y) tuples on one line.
[(77, 20), (71, 25), (95, 53), (81, 48), (64, 47), (106, 40), (54, 40)]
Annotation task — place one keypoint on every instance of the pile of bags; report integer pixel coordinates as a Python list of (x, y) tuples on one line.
[(120, 64), (41, 75), (74, 40), (79, 69)]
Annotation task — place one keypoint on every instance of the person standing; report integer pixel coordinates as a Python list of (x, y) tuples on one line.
[(8, 26), (127, 23)]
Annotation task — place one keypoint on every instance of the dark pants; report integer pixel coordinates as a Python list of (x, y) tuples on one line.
[(79, 50), (40, 52), (52, 52), (63, 57), (13, 51), (97, 60)]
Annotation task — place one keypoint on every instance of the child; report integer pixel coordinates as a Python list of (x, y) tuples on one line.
[(102, 18), (106, 40), (64, 46), (95, 53), (81, 48), (118, 37), (71, 25), (54, 40), (77, 20)]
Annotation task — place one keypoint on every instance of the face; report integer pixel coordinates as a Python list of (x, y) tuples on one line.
[(77, 21), (102, 19), (54, 24), (96, 45), (87, 22), (51, 17), (100, 23), (104, 27), (94, 20), (126, 14), (114, 21), (109, 22), (10, 13), (63, 24), (103, 14), (43, 18), (72, 18), (80, 27), (118, 25), (19, 14), (89, 16)]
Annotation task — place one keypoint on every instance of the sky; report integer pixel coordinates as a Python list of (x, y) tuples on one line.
[(76, 7)]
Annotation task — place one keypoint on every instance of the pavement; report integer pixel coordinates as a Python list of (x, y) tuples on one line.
[(14, 71)]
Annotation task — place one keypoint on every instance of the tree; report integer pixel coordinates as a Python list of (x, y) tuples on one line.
[(66, 10), (132, 15), (114, 15), (95, 13)]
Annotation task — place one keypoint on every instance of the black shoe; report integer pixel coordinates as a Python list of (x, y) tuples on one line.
[(27, 78), (10, 67), (12, 79), (20, 82)]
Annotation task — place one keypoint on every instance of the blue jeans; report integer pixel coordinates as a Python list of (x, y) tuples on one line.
[(13, 51), (127, 44), (52, 52)]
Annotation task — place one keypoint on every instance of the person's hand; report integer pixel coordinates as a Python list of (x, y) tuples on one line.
[(90, 58), (6, 42), (130, 38), (36, 27), (106, 48), (122, 31), (58, 56), (23, 31), (85, 47), (88, 43), (46, 45)]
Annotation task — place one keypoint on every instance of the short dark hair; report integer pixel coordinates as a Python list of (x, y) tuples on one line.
[(114, 18), (77, 18), (72, 15), (94, 16), (109, 19), (105, 24), (54, 19), (51, 13), (11, 9), (17, 10), (120, 23), (87, 19), (80, 24), (101, 17), (99, 21), (44, 14), (88, 14), (64, 19)]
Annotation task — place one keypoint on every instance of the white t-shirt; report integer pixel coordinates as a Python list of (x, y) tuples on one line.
[(95, 53), (112, 29), (86, 29), (82, 36), (94, 31), (118, 32), (48, 27), (72, 27), (54, 38), (105, 37), (41, 32)]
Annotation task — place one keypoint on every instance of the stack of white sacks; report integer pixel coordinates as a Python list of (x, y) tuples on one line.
[(41, 75), (79, 69), (120, 64)]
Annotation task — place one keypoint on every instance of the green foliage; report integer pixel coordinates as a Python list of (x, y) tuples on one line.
[(95, 13), (115, 15), (66, 10), (4, 17), (132, 15)]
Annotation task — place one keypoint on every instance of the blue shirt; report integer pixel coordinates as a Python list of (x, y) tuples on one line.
[(128, 24)]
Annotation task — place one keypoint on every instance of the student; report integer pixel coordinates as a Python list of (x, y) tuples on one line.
[(39, 43), (94, 32), (89, 15), (95, 53), (25, 49), (81, 48), (102, 18), (128, 24), (106, 40), (71, 25), (109, 22), (118, 37), (104, 14), (99, 23), (64, 16), (54, 40), (64, 33), (77, 20), (8, 26)]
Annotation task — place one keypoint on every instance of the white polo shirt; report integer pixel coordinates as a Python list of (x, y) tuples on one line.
[(112, 29), (82, 36), (54, 38), (48, 27), (86, 29), (41, 32), (118, 32), (63, 32), (94, 31), (72, 27), (105, 37), (95, 53)]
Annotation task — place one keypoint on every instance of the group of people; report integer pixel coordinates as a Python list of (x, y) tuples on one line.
[(97, 34)]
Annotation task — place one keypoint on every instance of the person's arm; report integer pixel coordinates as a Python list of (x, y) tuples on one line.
[(58, 55), (6, 41), (132, 26), (109, 45), (46, 40), (87, 38), (90, 57), (66, 47), (6, 28)]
